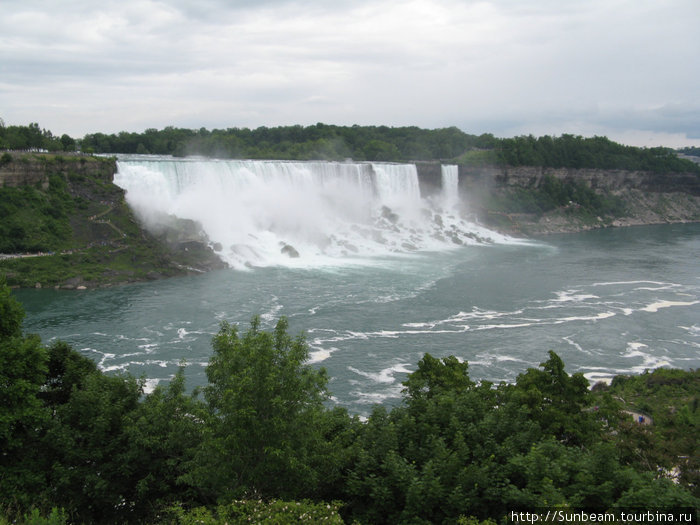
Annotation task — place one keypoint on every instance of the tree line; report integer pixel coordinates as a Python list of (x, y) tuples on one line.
[(361, 143), (317, 142), (569, 151), (260, 441), (32, 137)]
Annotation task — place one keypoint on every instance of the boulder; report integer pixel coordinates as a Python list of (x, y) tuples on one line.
[(290, 251)]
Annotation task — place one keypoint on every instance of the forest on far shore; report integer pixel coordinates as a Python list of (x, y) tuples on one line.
[(361, 143)]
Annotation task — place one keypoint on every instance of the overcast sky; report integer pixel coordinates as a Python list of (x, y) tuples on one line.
[(628, 69)]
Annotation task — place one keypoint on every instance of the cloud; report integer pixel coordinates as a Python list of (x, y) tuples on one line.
[(495, 66)]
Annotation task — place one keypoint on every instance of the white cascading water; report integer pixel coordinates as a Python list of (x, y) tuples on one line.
[(263, 213), (450, 185)]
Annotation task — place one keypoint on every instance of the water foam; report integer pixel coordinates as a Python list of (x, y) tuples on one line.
[(301, 214), (656, 306)]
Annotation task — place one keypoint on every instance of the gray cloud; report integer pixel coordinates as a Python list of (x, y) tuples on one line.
[(623, 68)]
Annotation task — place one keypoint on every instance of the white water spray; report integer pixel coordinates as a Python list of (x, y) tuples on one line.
[(266, 213)]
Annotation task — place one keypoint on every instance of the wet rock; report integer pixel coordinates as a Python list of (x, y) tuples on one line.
[(290, 251), (217, 247)]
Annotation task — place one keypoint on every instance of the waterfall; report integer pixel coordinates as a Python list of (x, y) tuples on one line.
[(263, 213), (450, 185)]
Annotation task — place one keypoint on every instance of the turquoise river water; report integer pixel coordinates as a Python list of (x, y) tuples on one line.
[(608, 302)]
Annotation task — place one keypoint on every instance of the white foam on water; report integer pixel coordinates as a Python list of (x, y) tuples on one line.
[(693, 330), (273, 313), (503, 326), (149, 347), (619, 283), (115, 368), (598, 377), (319, 355), (461, 319), (150, 385), (573, 343), (506, 358), (489, 358), (386, 375), (658, 305), (635, 350), (376, 398), (575, 296), (635, 347), (596, 317)]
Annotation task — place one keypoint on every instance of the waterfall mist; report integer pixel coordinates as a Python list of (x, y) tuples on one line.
[(263, 213)]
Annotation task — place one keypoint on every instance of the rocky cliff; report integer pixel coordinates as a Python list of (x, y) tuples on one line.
[(598, 180), (24, 169), (506, 198)]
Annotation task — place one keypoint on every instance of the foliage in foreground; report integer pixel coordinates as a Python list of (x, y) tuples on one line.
[(260, 444), (258, 511)]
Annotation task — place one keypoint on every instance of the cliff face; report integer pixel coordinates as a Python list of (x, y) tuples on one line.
[(429, 177), (494, 195), (599, 180), (32, 169)]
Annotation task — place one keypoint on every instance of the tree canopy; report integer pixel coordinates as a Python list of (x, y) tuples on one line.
[(32, 137), (262, 443), (361, 143)]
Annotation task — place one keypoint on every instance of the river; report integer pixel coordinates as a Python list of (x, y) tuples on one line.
[(608, 302)]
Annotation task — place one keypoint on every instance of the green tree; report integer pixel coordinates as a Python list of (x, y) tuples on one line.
[(67, 371), (87, 443), (381, 151), (67, 142), (23, 364), (377, 482), (265, 404), (163, 433), (437, 376), (11, 314), (556, 401)]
